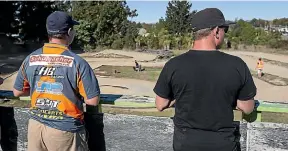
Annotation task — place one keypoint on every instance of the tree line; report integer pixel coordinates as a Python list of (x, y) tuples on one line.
[(246, 33), (109, 24)]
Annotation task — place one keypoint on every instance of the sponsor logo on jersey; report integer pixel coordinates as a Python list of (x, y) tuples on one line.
[(49, 87), (51, 59), (48, 71), (47, 108), (45, 103)]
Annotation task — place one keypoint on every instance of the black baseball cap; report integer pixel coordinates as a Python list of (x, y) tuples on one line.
[(209, 18), (59, 22)]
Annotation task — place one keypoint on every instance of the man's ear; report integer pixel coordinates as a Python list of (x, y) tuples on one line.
[(71, 34), (69, 31), (217, 32)]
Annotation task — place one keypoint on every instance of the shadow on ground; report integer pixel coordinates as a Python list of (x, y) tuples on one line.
[(11, 63)]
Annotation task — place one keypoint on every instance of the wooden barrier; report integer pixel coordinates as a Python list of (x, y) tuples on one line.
[(266, 106), (132, 104), (126, 106)]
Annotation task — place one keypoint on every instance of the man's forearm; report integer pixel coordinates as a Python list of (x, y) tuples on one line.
[(246, 107), (18, 93), (93, 101)]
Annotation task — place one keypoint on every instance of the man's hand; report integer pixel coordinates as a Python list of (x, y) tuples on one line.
[(162, 103), (1, 80), (246, 106)]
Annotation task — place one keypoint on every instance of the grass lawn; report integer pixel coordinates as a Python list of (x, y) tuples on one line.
[(149, 74), (109, 55), (16, 103), (152, 74)]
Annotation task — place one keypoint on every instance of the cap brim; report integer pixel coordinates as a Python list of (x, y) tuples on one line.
[(228, 23), (75, 22)]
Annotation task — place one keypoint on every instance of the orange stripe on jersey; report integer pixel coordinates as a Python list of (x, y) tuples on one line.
[(65, 105), (81, 84), (50, 48), (78, 75), (82, 89), (23, 71), (26, 86)]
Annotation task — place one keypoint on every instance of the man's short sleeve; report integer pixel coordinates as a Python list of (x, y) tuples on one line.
[(21, 82), (248, 89), (88, 83), (163, 86)]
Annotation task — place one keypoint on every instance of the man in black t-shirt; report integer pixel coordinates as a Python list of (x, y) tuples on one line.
[(8, 128), (206, 85)]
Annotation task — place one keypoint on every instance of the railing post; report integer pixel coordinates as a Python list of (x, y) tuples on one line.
[(100, 108), (259, 116)]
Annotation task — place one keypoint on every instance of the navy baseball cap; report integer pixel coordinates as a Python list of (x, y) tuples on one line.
[(209, 18), (59, 22)]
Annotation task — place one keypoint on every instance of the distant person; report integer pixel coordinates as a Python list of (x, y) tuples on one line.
[(138, 67), (206, 85), (259, 67), (228, 44), (57, 79), (8, 128)]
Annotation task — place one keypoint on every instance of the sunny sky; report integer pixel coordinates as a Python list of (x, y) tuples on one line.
[(151, 11)]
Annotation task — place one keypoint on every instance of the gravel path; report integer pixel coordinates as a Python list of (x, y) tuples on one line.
[(143, 133)]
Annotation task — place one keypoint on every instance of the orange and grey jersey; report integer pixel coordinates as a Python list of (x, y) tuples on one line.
[(59, 80)]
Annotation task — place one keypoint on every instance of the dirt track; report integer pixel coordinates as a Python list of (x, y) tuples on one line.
[(266, 91), (269, 68)]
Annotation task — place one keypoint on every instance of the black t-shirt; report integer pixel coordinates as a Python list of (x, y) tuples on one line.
[(206, 86)]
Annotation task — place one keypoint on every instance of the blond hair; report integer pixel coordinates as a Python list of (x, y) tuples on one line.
[(202, 33)]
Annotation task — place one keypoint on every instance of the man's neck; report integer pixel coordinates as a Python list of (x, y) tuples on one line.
[(58, 41), (204, 45)]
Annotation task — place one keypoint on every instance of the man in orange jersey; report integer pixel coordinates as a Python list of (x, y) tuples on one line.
[(259, 67), (57, 79)]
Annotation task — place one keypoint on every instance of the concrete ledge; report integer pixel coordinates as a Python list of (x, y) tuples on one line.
[(267, 136)]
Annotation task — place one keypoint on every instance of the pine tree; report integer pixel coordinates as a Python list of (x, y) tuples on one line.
[(178, 17)]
